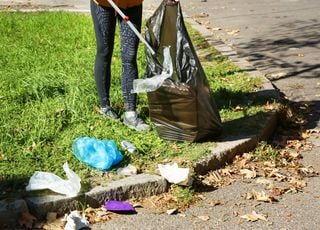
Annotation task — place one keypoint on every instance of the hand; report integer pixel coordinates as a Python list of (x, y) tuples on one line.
[(171, 2)]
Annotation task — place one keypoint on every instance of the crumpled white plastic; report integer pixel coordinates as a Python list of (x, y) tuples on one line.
[(155, 82), (128, 146), (129, 170), (75, 221), (46, 180), (173, 174)]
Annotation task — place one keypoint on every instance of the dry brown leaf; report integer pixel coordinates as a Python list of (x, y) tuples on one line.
[(297, 183), (262, 196), (215, 28), (305, 134), (213, 177), (309, 171), (311, 131), (248, 173), (270, 164), (215, 203), (259, 196), (233, 32), (204, 218), (275, 173), (253, 217), (249, 196), (137, 205), (247, 156), (172, 211), (278, 191), (26, 220), (226, 171), (295, 144), (242, 163)]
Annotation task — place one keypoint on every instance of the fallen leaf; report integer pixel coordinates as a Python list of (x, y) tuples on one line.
[(233, 32), (294, 155), (26, 220), (278, 191), (204, 218), (262, 196), (249, 196), (215, 202), (309, 171), (213, 177), (216, 28), (277, 175), (297, 183), (253, 217), (270, 164), (172, 211), (226, 171), (137, 205), (248, 173), (259, 196)]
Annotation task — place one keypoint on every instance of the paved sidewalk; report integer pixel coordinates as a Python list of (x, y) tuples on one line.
[(280, 39)]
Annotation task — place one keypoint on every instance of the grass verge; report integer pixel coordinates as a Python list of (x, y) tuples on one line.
[(48, 99)]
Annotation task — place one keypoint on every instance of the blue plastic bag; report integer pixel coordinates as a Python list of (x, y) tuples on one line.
[(100, 154)]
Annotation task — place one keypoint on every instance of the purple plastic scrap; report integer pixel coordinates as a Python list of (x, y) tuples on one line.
[(118, 206)]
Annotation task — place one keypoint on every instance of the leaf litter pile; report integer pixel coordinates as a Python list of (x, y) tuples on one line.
[(275, 165)]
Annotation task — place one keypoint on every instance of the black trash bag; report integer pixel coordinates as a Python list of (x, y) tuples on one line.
[(183, 108)]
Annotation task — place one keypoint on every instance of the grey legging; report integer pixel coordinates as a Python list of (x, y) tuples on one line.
[(104, 20)]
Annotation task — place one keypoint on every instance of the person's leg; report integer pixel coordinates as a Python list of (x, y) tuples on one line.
[(104, 22), (129, 48)]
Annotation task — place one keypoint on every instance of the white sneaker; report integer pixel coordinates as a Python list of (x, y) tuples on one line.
[(108, 112), (132, 120)]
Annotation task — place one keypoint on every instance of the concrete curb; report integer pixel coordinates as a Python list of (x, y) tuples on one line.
[(138, 186), (146, 185)]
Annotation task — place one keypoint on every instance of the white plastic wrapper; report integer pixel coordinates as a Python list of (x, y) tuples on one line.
[(173, 174), (153, 83), (128, 146), (75, 221), (46, 180)]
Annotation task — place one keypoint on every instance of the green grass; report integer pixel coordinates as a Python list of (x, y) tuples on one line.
[(48, 98)]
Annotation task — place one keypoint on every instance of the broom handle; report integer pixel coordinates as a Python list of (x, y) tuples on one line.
[(126, 18)]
